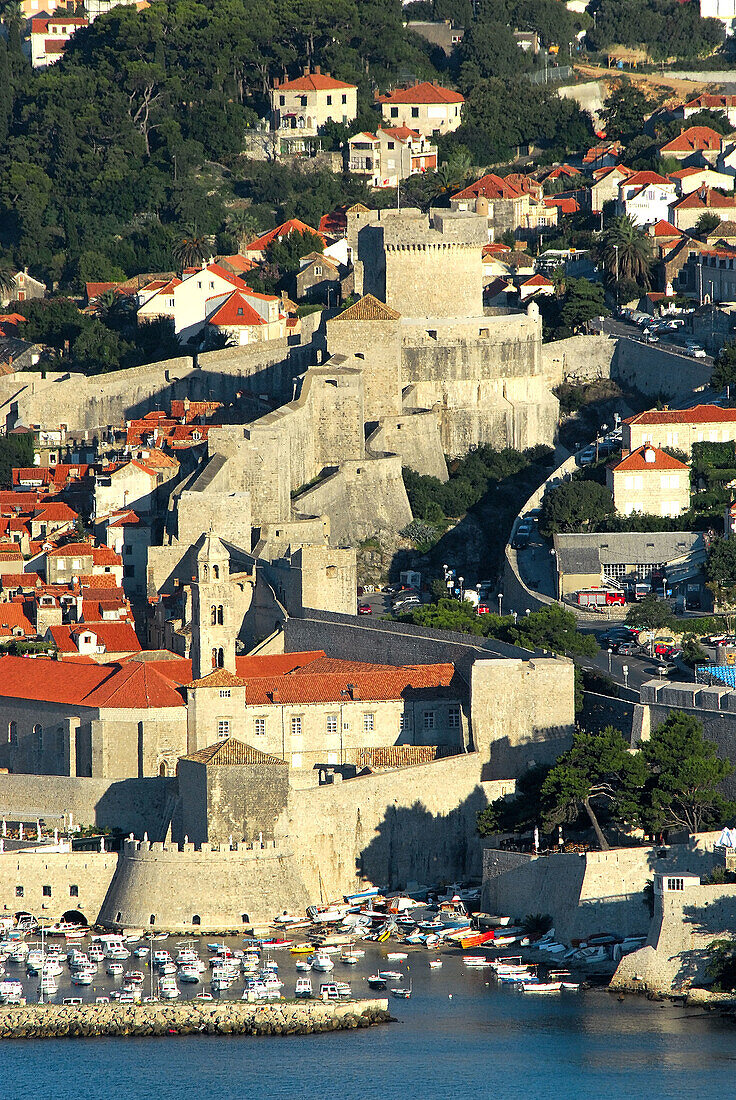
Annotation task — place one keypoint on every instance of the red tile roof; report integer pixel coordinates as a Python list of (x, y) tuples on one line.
[(293, 225), (423, 93), (536, 280), (705, 198), (19, 580), (236, 311), (699, 414), (645, 179), (179, 669), (12, 617), (489, 186), (72, 549), (313, 82), (637, 461), (694, 139), (370, 682), (116, 686), (116, 637), (665, 229), (711, 102)]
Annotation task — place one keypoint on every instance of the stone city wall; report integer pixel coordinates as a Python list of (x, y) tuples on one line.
[(51, 884), (587, 892), (53, 398), (415, 436), (579, 359), (132, 805), (363, 499), (392, 828), (161, 886)]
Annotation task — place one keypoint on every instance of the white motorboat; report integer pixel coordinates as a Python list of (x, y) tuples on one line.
[(322, 963), (303, 988), (188, 974), (85, 976), (204, 996), (168, 990), (435, 964), (396, 956), (141, 952), (47, 986), (541, 987), (114, 969), (11, 992), (391, 975), (303, 965)]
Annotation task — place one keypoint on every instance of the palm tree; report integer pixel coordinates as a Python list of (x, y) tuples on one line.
[(454, 172), (7, 283), (241, 223), (192, 248), (626, 251)]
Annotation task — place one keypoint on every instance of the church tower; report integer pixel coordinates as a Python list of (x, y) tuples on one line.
[(213, 634)]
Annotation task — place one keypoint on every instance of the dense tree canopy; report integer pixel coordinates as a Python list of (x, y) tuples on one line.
[(575, 505), (666, 28)]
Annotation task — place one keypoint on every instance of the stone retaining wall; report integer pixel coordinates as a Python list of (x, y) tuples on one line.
[(190, 1018)]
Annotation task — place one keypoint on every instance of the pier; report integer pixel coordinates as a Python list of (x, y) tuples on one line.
[(190, 1018)]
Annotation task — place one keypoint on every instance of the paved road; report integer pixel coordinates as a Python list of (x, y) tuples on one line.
[(673, 342)]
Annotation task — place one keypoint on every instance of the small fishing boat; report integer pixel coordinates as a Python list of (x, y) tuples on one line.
[(168, 990), (303, 988), (189, 974), (303, 965), (375, 981), (301, 949), (204, 996), (435, 964), (114, 969), (564, 976), (343, 988), (476, 961), (391, 975), (395, 956), (541, 987), (399, 991)]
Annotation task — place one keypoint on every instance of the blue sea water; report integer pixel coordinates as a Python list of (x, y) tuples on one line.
[(482, 1041)]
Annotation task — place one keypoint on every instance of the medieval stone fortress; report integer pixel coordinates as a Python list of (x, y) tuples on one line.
[(258, 743)]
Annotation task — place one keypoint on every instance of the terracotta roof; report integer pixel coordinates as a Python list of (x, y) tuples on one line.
[(10, 551), (369, 683), (694, 139), (232, 751), (20, 580), (98, 581), (115, 686), (711, 102), (313, 82), (423, 93), (603, 173), (293, 225), (220, 678), (636, 461), (536, 280), (489, 186), (54, 510), (705, 198), (664, 229), (644, 179), (699, 414), (179, 669), (368, 308), (116, 637), (13, 617), (401, 133), (236, 310)]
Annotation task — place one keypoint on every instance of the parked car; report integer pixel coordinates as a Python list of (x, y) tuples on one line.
[(626, 649), (365, 609), (695, 351), (586, 456)]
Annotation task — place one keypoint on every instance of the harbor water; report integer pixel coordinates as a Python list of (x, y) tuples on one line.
[(459, 1035)]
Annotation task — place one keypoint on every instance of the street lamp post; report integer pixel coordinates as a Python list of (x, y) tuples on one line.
[(500, 598), (461, 581), (625, 670), (610, 651)]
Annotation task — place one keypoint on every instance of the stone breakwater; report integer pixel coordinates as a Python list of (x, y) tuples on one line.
[(189, 1018)]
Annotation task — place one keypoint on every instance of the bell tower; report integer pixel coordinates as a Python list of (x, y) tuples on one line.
[(213, 636)]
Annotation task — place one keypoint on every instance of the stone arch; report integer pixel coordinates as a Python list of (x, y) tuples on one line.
[(163, 771), (73, 916), (196, 919)]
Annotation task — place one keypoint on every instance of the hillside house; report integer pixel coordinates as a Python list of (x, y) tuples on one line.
[(680, 428), (301, 106), (650, 482), (427, 108), (696, 145), (391, 154), (646, 197), (49, 35)]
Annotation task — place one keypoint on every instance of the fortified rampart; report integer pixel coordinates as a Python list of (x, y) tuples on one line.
[(585, 892), (415, 436), (88, 403), (54, 883), (180, 889)]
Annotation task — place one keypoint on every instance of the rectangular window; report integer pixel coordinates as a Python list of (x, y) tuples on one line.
[(223, 727), (404, 722), (329, 101), (282, 100), (73, 891), (453, 718), (259, 727), (224, 693), (19, 891), (331, 723), (394, 112), (369, 723), (47, 891), (415, 112), (296, 726), (429, 719), (344, 99)]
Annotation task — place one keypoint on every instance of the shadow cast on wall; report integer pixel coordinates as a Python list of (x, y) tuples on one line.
[(412, 845)]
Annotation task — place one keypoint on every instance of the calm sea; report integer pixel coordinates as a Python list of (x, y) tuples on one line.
[(460, 1036)]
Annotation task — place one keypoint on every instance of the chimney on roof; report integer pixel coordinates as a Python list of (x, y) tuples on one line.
[(318, 70), (306, 71)]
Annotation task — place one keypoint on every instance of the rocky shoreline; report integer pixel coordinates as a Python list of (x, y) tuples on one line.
[(189, 1018)]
